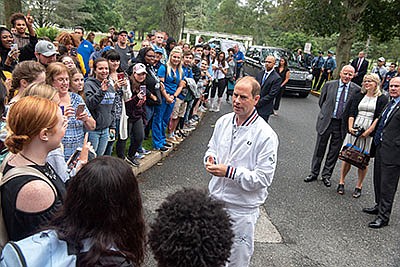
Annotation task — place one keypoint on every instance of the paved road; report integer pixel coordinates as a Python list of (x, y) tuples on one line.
[(317, 226)]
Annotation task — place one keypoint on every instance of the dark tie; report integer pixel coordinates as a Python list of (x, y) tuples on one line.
[(358, 64), (340, 108), (379, 130)]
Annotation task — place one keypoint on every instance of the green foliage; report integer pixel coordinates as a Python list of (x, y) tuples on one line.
[(50, 32), (103, 16), (67, 13), (381, 19)]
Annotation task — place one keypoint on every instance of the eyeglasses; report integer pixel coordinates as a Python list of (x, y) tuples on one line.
[(61, 80)]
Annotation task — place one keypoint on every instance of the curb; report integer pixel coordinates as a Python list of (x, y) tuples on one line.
[(315, 93), (156, 156)]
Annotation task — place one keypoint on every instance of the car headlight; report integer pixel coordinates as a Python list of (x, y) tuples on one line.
[(309, 77)]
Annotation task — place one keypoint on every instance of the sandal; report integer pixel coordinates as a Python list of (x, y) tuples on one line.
[(357, 192), (340, 189)]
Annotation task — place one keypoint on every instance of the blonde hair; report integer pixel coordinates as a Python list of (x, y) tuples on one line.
[(41, 90), (175, 50), (375, 78), (26, 118)]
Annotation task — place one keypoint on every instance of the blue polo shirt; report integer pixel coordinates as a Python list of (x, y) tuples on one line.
[(239, 56), (85, 49), (171, 82)]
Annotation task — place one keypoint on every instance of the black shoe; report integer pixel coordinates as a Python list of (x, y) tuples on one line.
[(167, 145), (340, 189), (378, 223), (310, 178), (357, 192), (133, 161), (374, 210), (162, 149), (327, 182)]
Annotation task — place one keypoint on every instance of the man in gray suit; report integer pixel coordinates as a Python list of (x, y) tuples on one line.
[(332, 123)]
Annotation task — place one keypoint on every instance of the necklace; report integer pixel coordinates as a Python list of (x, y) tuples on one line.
[(46, 169)]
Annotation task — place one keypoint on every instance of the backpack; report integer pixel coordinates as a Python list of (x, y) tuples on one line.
[(43, 249), (11, 174)]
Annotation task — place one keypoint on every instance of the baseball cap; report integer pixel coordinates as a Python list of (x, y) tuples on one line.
[(139, 68), (330, 52), (158, 50), (122, 31), (320, 52), (46, 48), (197, 57), (381, 59)]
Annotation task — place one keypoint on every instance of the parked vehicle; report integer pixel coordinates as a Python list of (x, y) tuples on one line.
[(300, 77), (225, 44)]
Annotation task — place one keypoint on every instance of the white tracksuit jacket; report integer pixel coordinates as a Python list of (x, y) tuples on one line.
[(250, 151)]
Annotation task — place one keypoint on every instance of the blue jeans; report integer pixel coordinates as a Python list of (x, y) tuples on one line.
[(149, 112), (99, 140), (162, 113)]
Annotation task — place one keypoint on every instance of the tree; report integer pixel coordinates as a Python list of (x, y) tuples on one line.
[(68, 14), (103, 16), (341, 17), (173, 11), (42, 11), (10, 7)]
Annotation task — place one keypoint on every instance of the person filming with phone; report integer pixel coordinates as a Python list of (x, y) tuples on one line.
[(100, 100), (79, 117)]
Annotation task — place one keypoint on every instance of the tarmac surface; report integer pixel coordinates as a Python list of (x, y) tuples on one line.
[(301, 224)]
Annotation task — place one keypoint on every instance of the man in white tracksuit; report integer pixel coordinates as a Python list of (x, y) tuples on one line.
[(241, 156)]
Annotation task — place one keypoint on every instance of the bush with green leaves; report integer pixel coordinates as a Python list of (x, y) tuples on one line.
[(50, 32)]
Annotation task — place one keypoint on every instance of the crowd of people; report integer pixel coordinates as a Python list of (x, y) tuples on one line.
[(67, 104)]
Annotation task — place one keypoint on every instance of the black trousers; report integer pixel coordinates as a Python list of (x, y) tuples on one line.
[(324, 77), (386, 180), (316, 76), (333, 135)]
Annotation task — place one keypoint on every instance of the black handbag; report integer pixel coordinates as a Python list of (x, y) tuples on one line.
[(354, 155)]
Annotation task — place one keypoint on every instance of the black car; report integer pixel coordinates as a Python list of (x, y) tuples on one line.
[(300, 77)]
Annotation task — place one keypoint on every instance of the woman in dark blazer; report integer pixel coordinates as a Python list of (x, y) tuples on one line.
[(365, 108)]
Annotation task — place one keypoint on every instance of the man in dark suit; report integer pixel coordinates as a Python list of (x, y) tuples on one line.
[(332, 123), (387, 154), (360, 65), (270, 83)]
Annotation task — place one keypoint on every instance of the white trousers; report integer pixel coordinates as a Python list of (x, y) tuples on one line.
[(243, 245)]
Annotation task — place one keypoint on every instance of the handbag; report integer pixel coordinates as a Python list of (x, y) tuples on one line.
[(354, 155)]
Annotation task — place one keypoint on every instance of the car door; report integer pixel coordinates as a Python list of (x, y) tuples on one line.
[(252, 63)]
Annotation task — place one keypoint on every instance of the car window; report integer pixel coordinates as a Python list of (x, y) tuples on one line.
[(249, 52)]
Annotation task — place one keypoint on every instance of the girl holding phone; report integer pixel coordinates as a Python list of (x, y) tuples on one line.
[(57, 76), (123, 92)]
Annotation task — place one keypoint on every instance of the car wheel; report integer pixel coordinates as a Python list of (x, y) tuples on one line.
[(304, 94)]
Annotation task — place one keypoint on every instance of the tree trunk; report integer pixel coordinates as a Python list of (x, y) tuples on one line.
[(172, 18), (10, 7), (348, 26)]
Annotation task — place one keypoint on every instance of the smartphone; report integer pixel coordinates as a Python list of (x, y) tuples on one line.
[(142, 89), (14, 47), (71, 163), (73, 160), (79, 109), (111, 137), (74, 51), (120, 76)]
